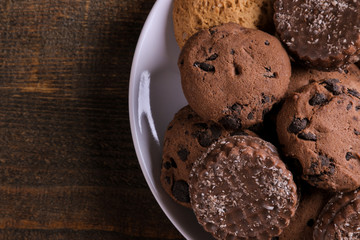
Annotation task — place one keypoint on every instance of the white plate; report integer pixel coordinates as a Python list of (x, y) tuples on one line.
[(155, 95)]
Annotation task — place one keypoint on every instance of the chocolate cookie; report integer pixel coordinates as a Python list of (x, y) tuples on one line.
[(319, 126), (187, 137), (340, 218), (233, 75), (190, 16), (240, 189), (322, 34), (301, 76), (301, 225)]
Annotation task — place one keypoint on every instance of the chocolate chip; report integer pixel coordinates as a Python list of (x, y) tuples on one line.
[(264, 99), (236, 107), (346, 71), (167, 165), (298, 125), (190, 116), (318, 99), (237, 69), (327, 165), (250, 116), (357, 108), (307, 136), (204, 138), (274, 75), (348, 107), (275, 238), (268, 69), (331, 86), (183, 154), (212, 57), (173, 163), (267, 43), (230, 122), (215, 131), (212, 31), (205, 66), (180, 191), (170, 127), (310, 223), (349, 155), (182, 62), (357, 133), (232, 51), (354, 93)]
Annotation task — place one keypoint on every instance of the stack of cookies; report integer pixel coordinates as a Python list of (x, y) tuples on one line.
[(269, 145)]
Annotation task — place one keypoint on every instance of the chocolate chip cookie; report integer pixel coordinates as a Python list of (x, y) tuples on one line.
[(319, 126), (321, 34), (240, 189), (233, 75), (187, 137)]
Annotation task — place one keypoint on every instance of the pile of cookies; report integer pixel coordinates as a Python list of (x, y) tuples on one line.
[(269, 145)]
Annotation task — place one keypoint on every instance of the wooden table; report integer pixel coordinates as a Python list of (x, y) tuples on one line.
[(68, 169)]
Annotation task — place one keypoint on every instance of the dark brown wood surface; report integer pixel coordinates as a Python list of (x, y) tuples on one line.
[(68, 168)]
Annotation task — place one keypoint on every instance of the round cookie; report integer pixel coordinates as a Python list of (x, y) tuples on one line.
[(240, 189), (233, 75), (319, 126), (340, 218), (301, 76), (321, 34), (187, 137), (190, 16), (312, 201)]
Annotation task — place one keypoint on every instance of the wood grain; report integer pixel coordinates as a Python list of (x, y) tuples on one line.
[(68, 169)]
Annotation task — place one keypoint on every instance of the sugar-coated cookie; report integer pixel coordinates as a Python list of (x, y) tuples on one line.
[(187, 137), (321, 34), (190, 16), (340, 218), (233, 75), (319, 126), (240, 189)]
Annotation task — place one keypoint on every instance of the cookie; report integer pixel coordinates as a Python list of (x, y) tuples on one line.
[(301, 76), (340, 218), (187, 137), (233, 75), (240, 189), (319, 126), (321, 34), (191, 16), (312, 201)]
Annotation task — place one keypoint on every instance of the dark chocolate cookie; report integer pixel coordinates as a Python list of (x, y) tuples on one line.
[(319, 126), (187, 137), (322, 34), (240, 189), (340, 218), (233, 75)]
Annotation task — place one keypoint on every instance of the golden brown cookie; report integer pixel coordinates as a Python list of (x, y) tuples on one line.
[(190, 16), (187, 137)]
